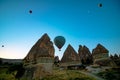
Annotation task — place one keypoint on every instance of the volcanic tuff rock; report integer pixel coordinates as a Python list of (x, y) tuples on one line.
[(105, 62), (70, 55), (39, 61), (84, 54), (100, 52), (99, 49), (116, 59), (42, 48)]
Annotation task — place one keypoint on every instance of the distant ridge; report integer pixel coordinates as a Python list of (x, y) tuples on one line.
[(6, 60)]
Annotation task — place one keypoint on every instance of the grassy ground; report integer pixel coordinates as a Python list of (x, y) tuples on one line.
[(5, 76), (57, 75), (67, 75), (110, 75)]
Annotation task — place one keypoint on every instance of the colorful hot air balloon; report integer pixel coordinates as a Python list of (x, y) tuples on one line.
[(59, 41)]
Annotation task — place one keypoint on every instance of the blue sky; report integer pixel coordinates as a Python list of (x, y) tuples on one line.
[(81, 22)]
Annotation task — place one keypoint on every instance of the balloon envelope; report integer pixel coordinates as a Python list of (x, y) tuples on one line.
[(59, 41), (100, 5), (30, 11), (2, 45)]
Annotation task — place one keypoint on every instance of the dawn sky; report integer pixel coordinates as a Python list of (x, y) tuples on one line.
[(81, 22)]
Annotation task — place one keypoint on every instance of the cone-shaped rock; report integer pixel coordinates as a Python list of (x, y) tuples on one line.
[(85, 55), (42, 48), (99, 49), (39, 61), (100, 52), (70, 55)]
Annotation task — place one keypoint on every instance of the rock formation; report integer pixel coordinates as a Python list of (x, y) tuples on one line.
[(100, 52), (43, 48), (38, 62), (99, 49), (85, 55), (105, 62), (116, 56), (70, 55), (116, 59)]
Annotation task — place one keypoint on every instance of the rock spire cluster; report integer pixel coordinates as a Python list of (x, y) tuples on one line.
[(39, 61)]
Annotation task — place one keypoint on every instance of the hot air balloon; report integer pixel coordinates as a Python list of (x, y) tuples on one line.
[(100, 5), (30, 11), (59, 42), (2, 45)]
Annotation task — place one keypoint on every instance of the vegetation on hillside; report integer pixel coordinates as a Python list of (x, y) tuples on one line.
[(11, 71), (15, 71), (68, 75), (112, 74)]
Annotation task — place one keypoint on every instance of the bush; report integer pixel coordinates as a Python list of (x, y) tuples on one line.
[(17, 67), (109, 75)]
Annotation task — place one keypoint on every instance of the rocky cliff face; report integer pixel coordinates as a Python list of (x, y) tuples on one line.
[(84, 55), (70, 55), (42, 48), (100, 52), (39, 61)]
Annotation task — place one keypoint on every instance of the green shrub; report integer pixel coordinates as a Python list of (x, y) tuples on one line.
[(109, 75)]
